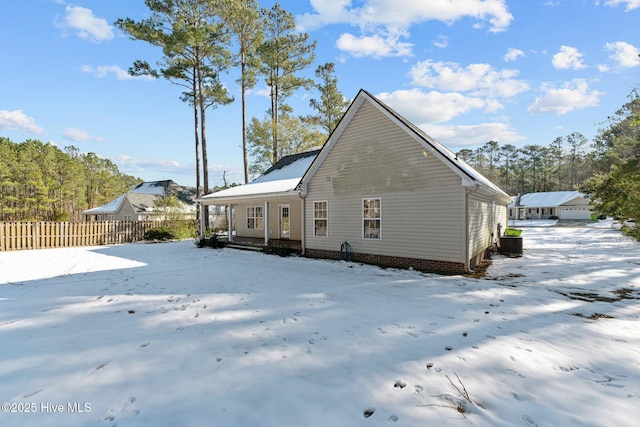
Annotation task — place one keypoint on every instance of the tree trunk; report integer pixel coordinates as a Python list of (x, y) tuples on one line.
[(244, 117), (203, 136)]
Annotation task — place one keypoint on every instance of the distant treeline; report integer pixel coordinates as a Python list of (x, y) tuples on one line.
[(40, 182), (570, 162), (565, 164)]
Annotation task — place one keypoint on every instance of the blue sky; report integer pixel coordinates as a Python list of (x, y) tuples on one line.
[(466, 71)]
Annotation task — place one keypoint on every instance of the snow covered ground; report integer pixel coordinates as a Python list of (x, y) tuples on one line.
[(171, 335)]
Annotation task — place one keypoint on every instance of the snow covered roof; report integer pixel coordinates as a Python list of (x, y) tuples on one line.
[(547, 199), (155, 187), (110, 208), (143, 197), (282, 177)]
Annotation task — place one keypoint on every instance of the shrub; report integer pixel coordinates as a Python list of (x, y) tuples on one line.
[(280, 248), (162, 234), (211, 242)]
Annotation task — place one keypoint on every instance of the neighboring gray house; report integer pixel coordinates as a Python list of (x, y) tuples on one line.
[(140, 203), (394, 194), (551, 205)]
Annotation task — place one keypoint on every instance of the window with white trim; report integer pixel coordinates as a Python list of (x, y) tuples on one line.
[(320, 219), (372, 218), (255, 218)]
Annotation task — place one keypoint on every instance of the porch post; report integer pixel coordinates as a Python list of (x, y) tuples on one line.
[(302, 226), (266, 223), (230, 222), (202, 213)]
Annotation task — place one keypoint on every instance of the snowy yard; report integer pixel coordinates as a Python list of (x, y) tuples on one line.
[(172, 335)]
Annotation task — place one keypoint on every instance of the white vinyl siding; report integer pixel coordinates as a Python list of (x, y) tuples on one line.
[(424, 202), (321, 219), (484, 215), (295, 216)]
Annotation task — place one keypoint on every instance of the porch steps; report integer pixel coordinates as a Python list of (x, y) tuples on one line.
[(244, 247)]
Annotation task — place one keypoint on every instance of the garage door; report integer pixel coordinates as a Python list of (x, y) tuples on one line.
[(574, 213)]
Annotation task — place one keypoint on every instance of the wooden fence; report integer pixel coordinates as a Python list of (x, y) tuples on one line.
[(47, 234)]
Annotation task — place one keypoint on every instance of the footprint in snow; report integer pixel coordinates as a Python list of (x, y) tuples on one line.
[(393, 418), (399, 384), (516, 396), (529, 421), (417, 389), (97, 368), (368, 412), (511, 371), (33, 393), (126, 410)]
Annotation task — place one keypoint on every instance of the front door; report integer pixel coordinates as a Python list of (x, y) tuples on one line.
[(285, 224)]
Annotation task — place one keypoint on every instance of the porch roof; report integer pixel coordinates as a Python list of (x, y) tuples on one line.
[(252, 190), (281, 179)]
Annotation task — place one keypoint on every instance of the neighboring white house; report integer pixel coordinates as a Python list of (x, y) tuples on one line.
[(379, 186), (141, 203), (551, 205)]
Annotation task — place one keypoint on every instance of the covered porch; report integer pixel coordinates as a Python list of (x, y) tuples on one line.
[(258, 244)]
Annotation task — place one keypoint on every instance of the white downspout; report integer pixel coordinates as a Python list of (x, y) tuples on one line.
[(302, 225), (266, 223)]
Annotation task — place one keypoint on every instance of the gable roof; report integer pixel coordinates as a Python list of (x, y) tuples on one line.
[(110, 208), (280, 179), (469, 175), (143, 197), (547, 199)]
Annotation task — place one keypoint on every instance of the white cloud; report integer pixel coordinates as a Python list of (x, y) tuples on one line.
[(382, 20), (574, 95), (103, 71), (568, 57), (469, 135), (433, 107), (408, 12), (513, 54), (631, 4), (86, 25), (625, 54), (79, 135), (441, 41), (377, 46), (478, 79), (18, 120)]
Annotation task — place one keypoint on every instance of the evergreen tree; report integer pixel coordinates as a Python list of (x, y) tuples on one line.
[(194, 47), (283, 55), (295, 137), (242, 18), (332, 104)]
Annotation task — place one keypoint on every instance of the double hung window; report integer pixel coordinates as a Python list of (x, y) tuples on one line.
[(372, 218), (255, 218), (320, 219)]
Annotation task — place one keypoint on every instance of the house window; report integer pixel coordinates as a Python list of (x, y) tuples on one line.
[(371, 219), (254, 218), (320, 219)]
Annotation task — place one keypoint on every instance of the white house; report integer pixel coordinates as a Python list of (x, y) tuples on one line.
[(551, 205)]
